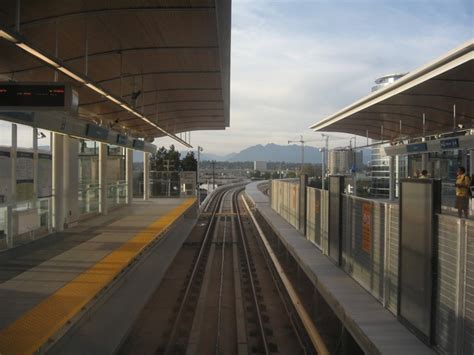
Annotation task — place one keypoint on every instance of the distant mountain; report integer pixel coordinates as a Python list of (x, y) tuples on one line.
[(275, 152)]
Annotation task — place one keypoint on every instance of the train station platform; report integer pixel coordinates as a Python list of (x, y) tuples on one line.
[(47, 286), (373, 327)]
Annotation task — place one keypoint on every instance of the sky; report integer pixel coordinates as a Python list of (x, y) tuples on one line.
[(295, 62)]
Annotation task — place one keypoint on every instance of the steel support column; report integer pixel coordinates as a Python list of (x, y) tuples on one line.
[(129, 174), (471, 162), (58, 161), (103, 178), (146, 176)]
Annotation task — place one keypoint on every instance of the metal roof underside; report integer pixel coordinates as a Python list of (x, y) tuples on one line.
[(177, 53), (397, 110)]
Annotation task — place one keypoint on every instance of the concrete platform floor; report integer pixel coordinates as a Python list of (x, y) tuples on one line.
[(32, 272)]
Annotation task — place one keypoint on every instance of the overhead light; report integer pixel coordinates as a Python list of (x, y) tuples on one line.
[(8, 37), (71, 75), (37, 54), (114, 100), (82, 80), (96, 89)]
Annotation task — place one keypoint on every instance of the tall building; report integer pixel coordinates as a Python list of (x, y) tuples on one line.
[(379, 161), (344, 161)]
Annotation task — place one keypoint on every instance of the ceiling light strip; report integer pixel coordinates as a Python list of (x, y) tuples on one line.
[(47, 60)]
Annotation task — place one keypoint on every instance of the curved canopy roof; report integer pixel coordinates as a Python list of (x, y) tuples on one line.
[(442, 92), (166, 62)]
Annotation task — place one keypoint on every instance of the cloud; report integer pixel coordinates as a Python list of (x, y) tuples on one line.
[(294, 62)]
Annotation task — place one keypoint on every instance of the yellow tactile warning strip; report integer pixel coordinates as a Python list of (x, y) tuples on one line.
[(33, 329)]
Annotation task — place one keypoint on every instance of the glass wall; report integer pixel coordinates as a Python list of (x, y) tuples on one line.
[(89, 190), (116, 184)]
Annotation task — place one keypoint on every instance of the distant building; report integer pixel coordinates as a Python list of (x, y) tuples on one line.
[(379, 161), (386, 80), (344, 160), (260, 165)]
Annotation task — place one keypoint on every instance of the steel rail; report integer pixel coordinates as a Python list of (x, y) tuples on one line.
[(249, 269), (313, 333), (209, 230), (221, 287)]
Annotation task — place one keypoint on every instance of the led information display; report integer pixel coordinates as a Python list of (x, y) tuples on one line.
[(32, 95)]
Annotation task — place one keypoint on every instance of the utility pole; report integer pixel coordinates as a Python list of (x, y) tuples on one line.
[(323, 167), (199, 150), (302, 151), (213, 175)]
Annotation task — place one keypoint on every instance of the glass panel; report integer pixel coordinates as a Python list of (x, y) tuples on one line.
[(24, 136), (5, 134), (44, 140), (89, 198)]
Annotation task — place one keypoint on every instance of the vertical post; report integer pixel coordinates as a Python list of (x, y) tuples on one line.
[(56, 47), (146, 176), (197, 175), (471, 162), (35, 166), (129, 174), (58, 208), (17, 16), (86, 48), (424, 156), (367, 135), (391, 181), (213, 175), (103, 178), (454, 117), (323, 168)]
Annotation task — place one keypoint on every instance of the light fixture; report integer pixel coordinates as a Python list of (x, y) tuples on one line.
[(51, 62), (37, 54), (96, 89), (113, 99), (71, 75), (8, 37)]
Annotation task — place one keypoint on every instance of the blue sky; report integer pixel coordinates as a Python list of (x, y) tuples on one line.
[(295, 62)]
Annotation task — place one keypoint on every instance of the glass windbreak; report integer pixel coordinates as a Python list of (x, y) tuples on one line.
[(442, 166), (116, 185), (164, 184), (88, 192)]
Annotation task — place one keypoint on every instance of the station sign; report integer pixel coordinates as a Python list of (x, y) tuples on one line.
[(122, 139), (417, 148), (452, 143), (138, 144), (96, 132)]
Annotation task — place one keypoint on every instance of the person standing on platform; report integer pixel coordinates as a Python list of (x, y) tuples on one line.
[(424, 174), (463, 192)]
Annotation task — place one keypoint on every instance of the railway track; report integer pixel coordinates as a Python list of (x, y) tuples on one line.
[(222, 294)]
